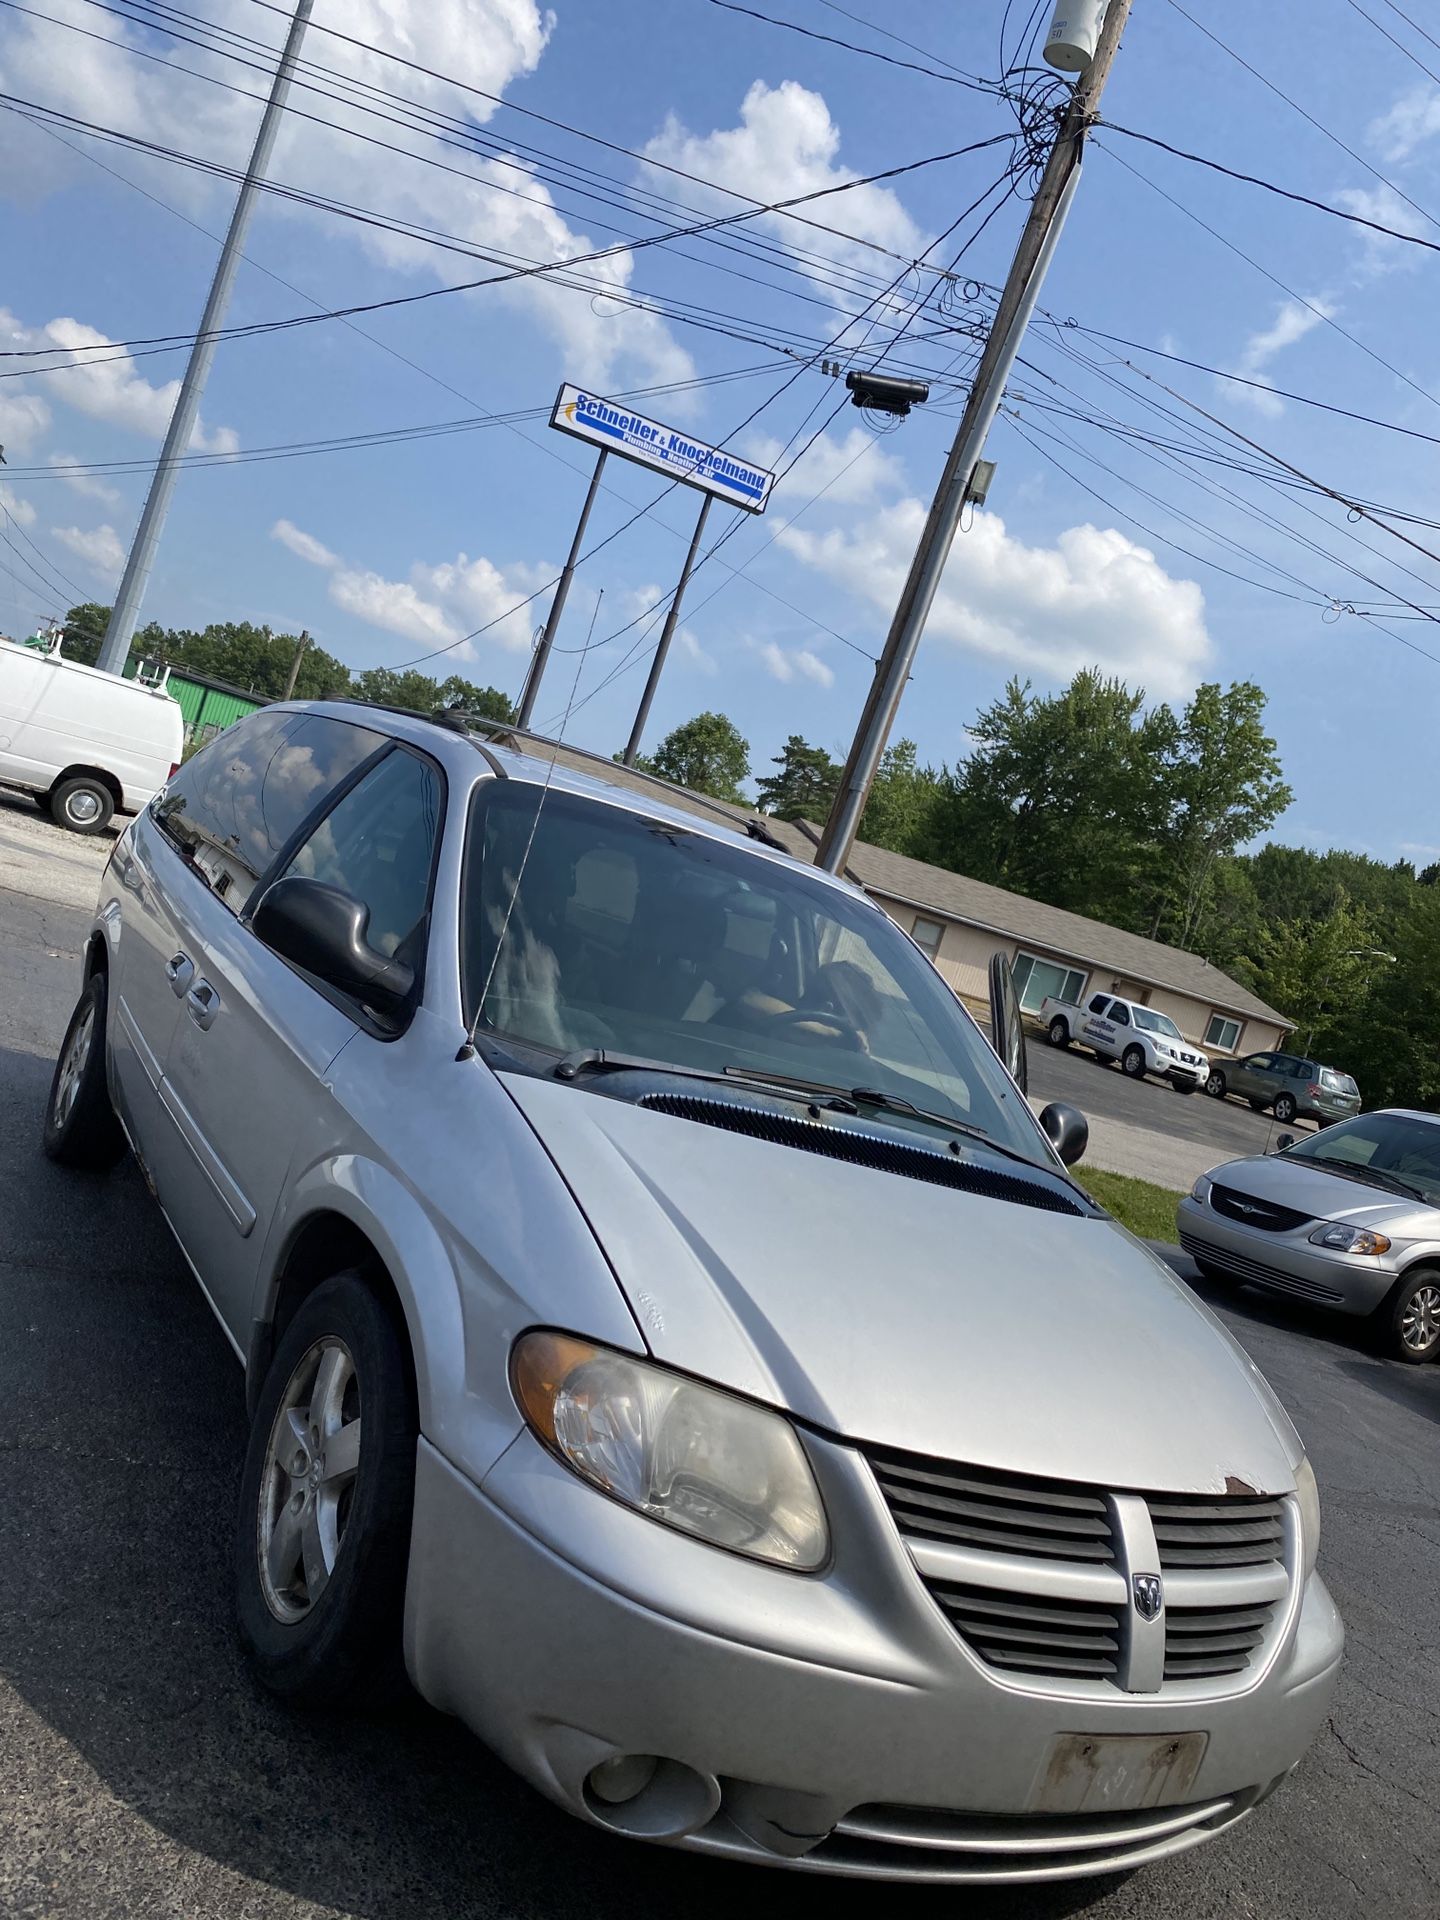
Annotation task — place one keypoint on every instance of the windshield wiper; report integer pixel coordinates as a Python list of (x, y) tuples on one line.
[(1375, 1177), (588, 1060)]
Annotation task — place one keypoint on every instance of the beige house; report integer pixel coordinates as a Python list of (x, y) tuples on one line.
[(960, 922)]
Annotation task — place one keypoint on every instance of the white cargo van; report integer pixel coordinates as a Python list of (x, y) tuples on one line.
[(87, 743)]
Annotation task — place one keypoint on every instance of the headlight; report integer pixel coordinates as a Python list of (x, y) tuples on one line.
[(1201, 1189), (1308, 1496), (684, 1454), (1350, 1240)]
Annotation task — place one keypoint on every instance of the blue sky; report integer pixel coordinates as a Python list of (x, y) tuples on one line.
[(390, 554)]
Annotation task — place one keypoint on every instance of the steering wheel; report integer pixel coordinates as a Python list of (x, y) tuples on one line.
[(802, 1017)]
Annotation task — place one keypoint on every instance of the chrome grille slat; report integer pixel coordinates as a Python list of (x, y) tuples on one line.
[(1011, 1834), (1028, 1572), (1251, 1211)]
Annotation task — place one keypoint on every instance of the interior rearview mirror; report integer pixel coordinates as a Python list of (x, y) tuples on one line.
[(1067, 1130), (322, 929), (1007, 1025)]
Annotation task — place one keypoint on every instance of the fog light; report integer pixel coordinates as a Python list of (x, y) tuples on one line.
[(621, 1779)]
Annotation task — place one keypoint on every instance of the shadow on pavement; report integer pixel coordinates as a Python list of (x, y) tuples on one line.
[(121, 1438)]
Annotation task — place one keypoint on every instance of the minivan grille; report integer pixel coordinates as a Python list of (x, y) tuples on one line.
[(1035, 1584), (1239, 1266), (1249, 1211), (860, 1148)]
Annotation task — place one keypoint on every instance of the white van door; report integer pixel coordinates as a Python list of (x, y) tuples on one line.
[(26, 679)]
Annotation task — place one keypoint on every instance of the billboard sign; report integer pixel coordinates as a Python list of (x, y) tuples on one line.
[(605, 423)]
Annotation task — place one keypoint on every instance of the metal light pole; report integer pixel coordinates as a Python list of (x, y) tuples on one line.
[(557, 605), (1012, 315), (657, 665), (115, 648)]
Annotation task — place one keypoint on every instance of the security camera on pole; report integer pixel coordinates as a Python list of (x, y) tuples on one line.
[(1083, 38)]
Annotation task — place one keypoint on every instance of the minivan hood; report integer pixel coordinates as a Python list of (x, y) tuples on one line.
[(1310, 1188), (887, 1310)]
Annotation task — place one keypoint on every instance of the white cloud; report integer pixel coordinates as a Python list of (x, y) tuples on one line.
[(100, 548), (86, 484), (437, 604), (695, 653), (495, 206), (787, 144), (849, 470), (107, 388), (24, 418), (1381, 254), (303, 545), (1414, 119), (1293, 320), (394, 605), (20, 511), (801, 663), (1094, 598)]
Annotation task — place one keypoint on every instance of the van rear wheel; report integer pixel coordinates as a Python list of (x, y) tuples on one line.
[(84, 804)]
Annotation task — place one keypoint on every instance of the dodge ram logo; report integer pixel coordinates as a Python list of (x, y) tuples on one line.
[(1149, 1592)]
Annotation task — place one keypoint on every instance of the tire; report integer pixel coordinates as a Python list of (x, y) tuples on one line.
[(80, 1125), (83, 805), (336, 1639), (1408, 1324), (1059, 1032), (1133, 1062), (1215, 1085), (1284, 1108)]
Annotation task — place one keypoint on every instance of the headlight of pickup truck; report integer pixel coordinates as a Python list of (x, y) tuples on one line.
[(684, 1454), (1350, 1240), (1308, 1496)]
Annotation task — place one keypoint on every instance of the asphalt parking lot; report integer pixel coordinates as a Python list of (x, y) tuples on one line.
[(142, 1774)]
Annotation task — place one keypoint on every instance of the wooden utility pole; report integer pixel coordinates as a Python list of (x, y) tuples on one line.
[(1012, 315), (294, 673)]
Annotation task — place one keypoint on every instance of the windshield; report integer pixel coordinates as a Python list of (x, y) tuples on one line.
[(1157, 1023), (1384, 1147), (642, 937)]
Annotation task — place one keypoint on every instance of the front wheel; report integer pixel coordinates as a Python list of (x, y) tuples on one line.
[(1133, 1061), (1059, 1032), (326, 1494), (1409, 1321), (1215, 1086), (80, 1125), (1285, 1108), (83, 805)]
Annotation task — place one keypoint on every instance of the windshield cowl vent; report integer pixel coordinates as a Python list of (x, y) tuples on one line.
[(859, 1147)]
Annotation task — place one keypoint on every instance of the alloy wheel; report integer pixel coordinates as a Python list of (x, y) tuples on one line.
[(1420, 1322), (308, 1480), (72, 1069)]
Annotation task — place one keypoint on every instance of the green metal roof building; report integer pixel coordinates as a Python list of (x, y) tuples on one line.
[(207, 705)]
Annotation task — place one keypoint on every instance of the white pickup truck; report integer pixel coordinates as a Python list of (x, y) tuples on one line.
[(1142, 1040)]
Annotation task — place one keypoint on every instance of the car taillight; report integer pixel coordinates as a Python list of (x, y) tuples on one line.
[(174, 769), (1314, 1089)]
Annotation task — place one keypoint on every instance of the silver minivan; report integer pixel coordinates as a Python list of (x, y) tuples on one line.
[(665, 1322)]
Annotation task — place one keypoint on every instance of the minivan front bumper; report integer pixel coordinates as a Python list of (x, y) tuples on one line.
[(1286, 1262), (832, 1722)]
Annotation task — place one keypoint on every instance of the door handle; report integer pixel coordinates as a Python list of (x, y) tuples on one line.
[(202, 1003), (179, 971)]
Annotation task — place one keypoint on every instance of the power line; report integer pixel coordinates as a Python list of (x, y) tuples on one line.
[(1429, 72), (955, 79), (1413, 23)]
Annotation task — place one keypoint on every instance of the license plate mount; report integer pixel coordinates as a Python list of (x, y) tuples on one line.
[(1098, 1773)]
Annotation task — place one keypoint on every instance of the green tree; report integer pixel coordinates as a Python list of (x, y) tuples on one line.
[(1060, 798), (901, 809), (481, 703), (708, 754), (803, 787), (84, 630), (1222, 785)]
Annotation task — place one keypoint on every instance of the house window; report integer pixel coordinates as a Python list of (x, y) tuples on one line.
[(1037, 979), (927, 935), (1222, 1033)]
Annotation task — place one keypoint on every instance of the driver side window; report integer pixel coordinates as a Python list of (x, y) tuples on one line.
[(1120, 1015)]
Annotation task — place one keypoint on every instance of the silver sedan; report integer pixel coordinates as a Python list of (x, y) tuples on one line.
[(1348, 1218)]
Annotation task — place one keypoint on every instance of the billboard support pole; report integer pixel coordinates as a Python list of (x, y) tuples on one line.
[(657, 665), (557, 606)]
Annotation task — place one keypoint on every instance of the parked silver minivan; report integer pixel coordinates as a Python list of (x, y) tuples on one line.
[(661, 1310)]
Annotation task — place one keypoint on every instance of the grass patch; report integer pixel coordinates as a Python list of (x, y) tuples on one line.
[(1137, 1204)]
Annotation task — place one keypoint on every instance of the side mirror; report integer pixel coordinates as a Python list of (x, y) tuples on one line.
[(1007, 1026), (322, 929), (1067, 1130), (1285, 1140)]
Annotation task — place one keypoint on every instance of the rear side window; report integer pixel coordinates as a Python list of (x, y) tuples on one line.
[(378, 845), (1099, 1004), (233, 807)]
